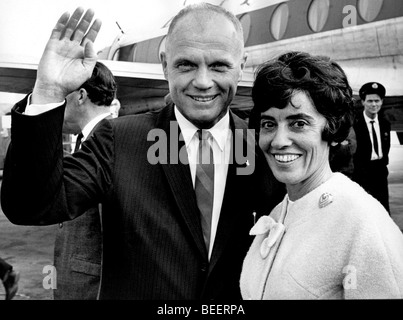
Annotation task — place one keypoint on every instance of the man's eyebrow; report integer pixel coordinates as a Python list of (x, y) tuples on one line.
[(182, 60), (221, 61)]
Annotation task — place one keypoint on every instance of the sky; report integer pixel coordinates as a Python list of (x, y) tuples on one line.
[(25, 25)]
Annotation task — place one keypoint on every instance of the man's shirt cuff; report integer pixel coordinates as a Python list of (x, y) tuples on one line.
[(36, 109)]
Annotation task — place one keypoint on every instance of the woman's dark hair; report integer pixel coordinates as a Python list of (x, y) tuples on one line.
[(322, 79), (101, 87)]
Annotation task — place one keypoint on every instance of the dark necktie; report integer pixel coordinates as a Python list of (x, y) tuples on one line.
[(78, 141), (204, 183), (375, 138)]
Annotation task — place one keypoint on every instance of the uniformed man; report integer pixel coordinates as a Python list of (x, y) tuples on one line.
[(373, 144)]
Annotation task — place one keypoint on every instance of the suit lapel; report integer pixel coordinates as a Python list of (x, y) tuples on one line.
[(384, 129), (229, 215), (363, 128), (180, 181), (98, 124)]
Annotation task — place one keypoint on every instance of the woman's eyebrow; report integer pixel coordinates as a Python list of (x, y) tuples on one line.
[(300, 116)]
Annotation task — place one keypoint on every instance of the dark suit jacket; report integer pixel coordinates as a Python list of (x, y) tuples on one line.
[(362, 156), (153, 243), (4, 268), (78, 255), (372, 175)]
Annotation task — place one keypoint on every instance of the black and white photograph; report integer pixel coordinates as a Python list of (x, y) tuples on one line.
[(207, 153)]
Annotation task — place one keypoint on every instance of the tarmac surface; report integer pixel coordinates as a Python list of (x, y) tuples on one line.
[(30, 249)]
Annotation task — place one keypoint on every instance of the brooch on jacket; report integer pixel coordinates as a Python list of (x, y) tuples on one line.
[(267, 224), (325, 199)]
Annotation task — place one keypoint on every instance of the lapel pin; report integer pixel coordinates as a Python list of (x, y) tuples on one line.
[(325, 199)]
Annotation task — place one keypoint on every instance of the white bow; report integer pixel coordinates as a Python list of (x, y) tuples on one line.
[(263, 225)]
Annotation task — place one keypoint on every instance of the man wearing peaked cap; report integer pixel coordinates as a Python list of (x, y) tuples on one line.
[(373, 144), (372, 88)]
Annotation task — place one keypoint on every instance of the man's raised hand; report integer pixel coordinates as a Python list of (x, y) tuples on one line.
[(69, 57)]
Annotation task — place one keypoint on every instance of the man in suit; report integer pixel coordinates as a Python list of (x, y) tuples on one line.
[(10, 279), (78, 245), (174, 227), (373, 144)]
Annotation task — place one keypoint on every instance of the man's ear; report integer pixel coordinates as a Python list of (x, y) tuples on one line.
[(164, 63), (243, 63), (244, 59), (82, 96)]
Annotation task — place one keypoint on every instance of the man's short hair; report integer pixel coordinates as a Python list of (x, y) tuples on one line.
[(207, 7), (101, 87)]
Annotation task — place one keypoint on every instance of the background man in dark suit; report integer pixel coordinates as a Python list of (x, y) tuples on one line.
[(10, 279), (160, 241), (373, 144), (78, 245)]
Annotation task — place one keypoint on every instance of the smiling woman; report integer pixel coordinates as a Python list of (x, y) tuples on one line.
[(293, 145), (328, 239)]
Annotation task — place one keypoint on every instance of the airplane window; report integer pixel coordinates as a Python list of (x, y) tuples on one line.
[(318, 13), (279, 21), (369, 9), (161, 47), (133, 52), (246, 24), (125, 53), (116, 55)]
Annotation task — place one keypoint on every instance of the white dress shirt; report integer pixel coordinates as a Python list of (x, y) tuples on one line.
[(221, 145), (368, 120)]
